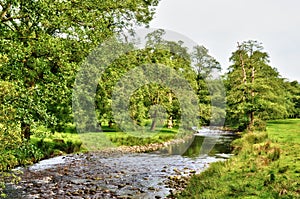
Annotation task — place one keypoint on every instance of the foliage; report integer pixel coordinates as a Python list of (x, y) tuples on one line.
[(158, 52), (44, 41), (10, 132), (197, 68), (205, 67), (294, 96), (255, 91), (54, 147)]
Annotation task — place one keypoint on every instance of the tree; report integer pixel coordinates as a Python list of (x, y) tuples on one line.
[(10, 134), (205, 67), (293, 89), (171, 54), (158, 51), (45, 41), (255, 91)]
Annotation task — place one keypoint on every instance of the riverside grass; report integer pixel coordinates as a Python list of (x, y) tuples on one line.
[(63, 142), (267, 165)]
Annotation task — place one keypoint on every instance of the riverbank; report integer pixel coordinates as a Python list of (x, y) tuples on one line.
[(69, 141), (267, 166)]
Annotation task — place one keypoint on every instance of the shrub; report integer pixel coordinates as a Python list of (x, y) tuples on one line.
[(28, 153), (56, 147), (260, 125), (254, 138)]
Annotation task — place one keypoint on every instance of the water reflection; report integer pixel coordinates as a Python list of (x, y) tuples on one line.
[(195, 146), (222, 145)]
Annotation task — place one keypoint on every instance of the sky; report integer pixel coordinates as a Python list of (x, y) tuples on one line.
[(220, 24)]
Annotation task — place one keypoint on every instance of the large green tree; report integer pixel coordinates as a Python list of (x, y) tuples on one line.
[(255, 91), (44, 41)]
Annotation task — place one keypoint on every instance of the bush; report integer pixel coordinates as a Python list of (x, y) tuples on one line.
[(260, 125), (248, 139), (254, 138), (54, 147), (28, 153)]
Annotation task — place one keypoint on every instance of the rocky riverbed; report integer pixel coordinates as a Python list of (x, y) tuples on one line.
[(111, 175)]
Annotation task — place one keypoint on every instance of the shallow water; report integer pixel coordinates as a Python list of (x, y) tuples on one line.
[(142, 175)]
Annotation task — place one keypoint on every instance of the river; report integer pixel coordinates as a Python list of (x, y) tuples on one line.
[(130, 175)]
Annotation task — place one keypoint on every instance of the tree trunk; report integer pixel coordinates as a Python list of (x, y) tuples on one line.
[(244, 81), (25, 130), (251, 123), (252, 120), (110, 123), (170, 121), (153, 125)]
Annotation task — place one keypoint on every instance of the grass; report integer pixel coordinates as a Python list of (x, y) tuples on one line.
[(267, 166), (102, 140), (70, 141)]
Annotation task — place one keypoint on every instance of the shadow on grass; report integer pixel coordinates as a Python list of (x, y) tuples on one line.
[(290, 121)]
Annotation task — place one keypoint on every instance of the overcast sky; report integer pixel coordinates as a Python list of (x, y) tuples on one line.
[(220, 24)]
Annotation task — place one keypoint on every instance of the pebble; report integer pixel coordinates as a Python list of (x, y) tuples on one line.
[(89, 176)]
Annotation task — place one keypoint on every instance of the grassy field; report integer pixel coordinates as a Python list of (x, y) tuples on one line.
[(267, 166), (70, 141)]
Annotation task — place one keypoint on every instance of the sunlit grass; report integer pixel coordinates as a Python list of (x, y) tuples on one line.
[(102, 140), (109, 138), (285, 131)]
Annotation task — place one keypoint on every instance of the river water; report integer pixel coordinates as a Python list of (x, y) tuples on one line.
[(131, 175)]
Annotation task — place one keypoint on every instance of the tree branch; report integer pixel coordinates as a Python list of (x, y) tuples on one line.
[(4, 12), (9, 26), (4, 19), (243, 65), (15, 25)]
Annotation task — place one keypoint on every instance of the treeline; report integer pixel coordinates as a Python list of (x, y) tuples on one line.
[(255, 91)]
